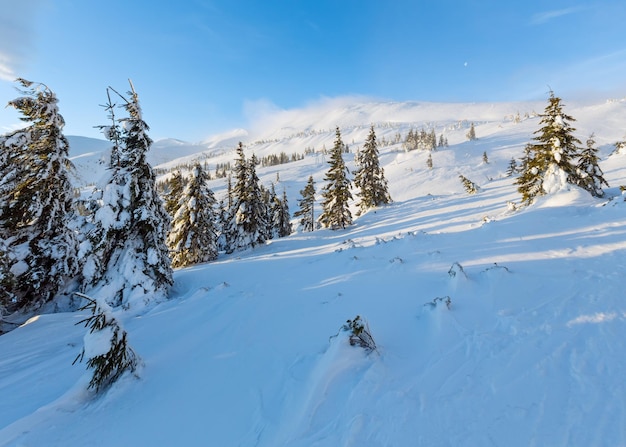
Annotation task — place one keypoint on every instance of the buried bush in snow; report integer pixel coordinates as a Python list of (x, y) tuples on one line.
[(457, 270), (105, 346), (360, 334), (470, 186), (439, 301)]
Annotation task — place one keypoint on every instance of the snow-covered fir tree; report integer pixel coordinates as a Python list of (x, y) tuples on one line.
[(193, 237), (469, 186), (37, 202), (174, 187), (280, 217), (106, 346), (547, 163), (253, 216), (512, 168), (270, 200), (443, 141), (471, 133), (306, 204), (370, 177), (7, 283), (235, 190), (429, 161), (225, 224), (127, 259), (222, 222), (336, 192), (590, 176), (246, 224), (421, 140)]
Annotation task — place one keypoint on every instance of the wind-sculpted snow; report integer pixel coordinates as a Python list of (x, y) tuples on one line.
[(493, 326)]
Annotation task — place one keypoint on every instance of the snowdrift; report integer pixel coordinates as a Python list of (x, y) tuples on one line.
[(493, 326)]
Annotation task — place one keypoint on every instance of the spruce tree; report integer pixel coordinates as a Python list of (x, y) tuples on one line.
[(127, 257), (306, 203), (222, 222), (106, 346), (175, 187), (193, 237), (254, 215), (246, 224), (429, 161), (7, 282), (512, 168), (547, 164), (471, 133), (271, 202), (590, 176), (278, 217), (230, 228), (336, 193), (37, 202), (470, 186), (370, 177), (281, 216)]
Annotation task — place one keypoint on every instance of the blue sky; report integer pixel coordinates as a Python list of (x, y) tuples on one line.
[(205, 66)]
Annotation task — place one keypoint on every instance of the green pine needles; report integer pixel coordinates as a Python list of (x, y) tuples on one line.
[(470, 186), (549, 162), (336, 193), (370, 177), (105, 345)]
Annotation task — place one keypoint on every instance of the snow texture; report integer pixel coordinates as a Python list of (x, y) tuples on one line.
[(249, 349)]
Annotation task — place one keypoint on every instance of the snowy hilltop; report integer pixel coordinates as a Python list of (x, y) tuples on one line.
[(496, 318)]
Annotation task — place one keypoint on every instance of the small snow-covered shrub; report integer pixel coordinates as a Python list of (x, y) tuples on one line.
[(360, 334), (470, 186), (105, 346), (440, 300), (457, 270)]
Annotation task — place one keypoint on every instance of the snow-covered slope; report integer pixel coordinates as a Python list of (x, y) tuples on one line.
[(249, 352)]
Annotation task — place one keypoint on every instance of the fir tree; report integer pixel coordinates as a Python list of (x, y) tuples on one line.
[(271, 203), (222, 222), (429, 161), (590, 176), (247, 220), (7, 282), (471, 133), (282, 219), (370, 177), (443, 141), (485, 158), (547, 163), (36, 201), (306, 203), (175, 186), (470, 186), (193, 237), (512, 168), (234, 192), (106, 346), (336, 193), (127, 258)]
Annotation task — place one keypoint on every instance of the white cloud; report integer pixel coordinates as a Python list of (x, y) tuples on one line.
[(544, 17), (6, 69), (16, 34)]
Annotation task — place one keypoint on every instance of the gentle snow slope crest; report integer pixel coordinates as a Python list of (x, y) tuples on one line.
[(248, 352)]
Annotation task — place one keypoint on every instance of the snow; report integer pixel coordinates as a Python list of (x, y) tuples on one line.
[(249, 350), (98, 342)]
